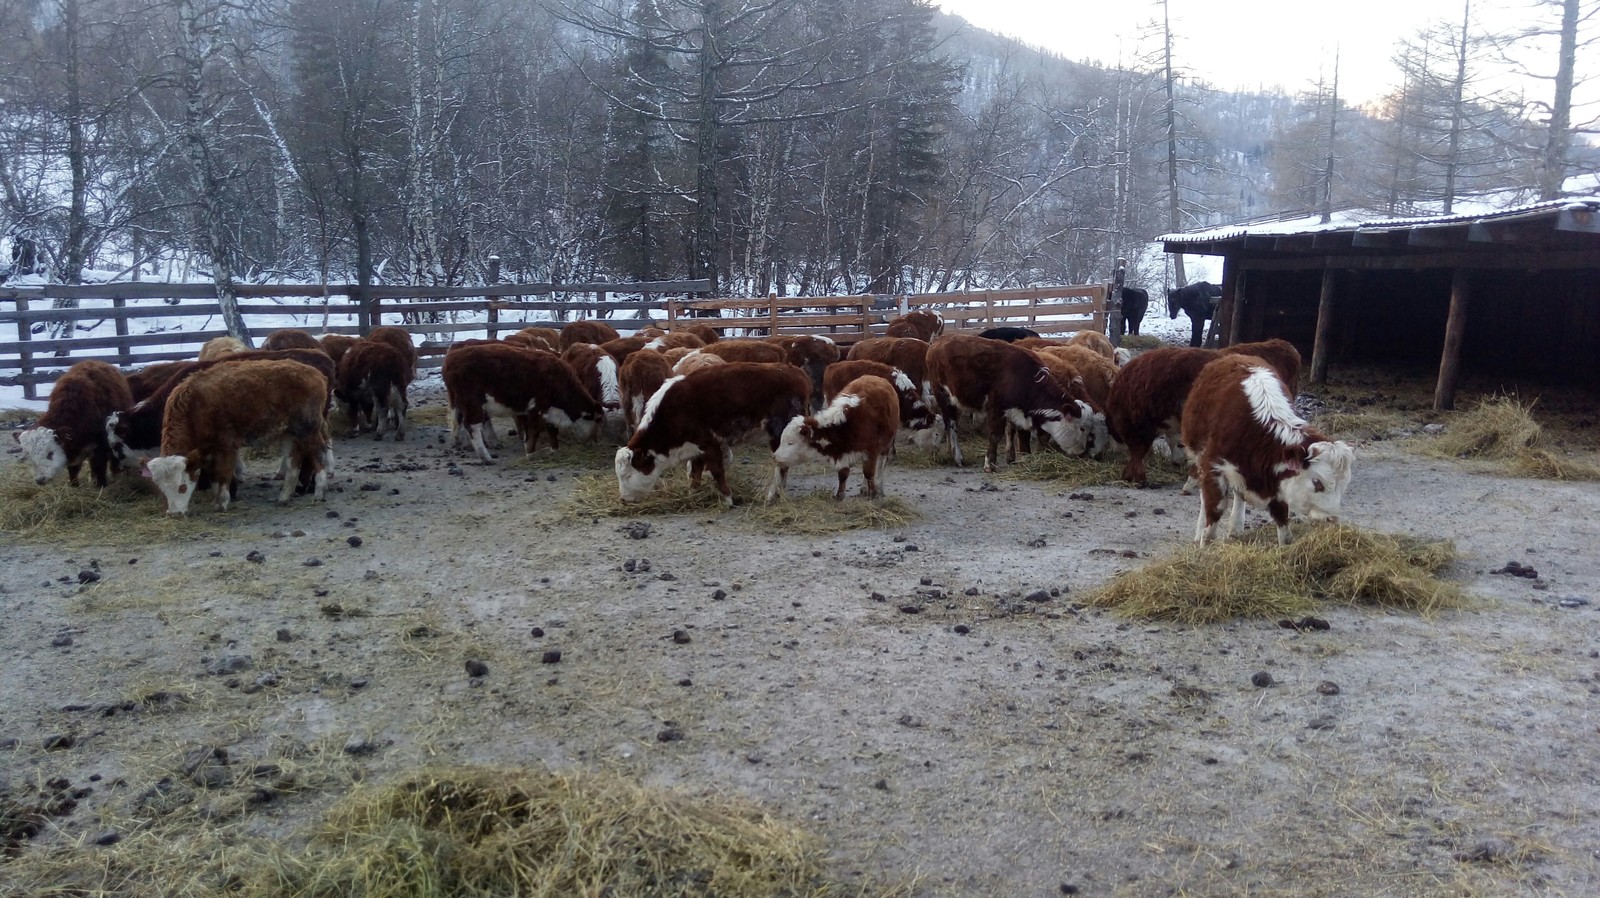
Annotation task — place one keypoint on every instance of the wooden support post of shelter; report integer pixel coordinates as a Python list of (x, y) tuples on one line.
[(1233, 299), (1455, 331), (1324, 332), (1119, 277), (30, 390)]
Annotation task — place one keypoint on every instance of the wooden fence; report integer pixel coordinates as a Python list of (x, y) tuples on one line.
[(441, 312)]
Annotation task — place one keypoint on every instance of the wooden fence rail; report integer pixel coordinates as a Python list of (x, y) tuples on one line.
[(31, 359)]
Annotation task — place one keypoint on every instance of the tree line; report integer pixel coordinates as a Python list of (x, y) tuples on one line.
[(797, 146)]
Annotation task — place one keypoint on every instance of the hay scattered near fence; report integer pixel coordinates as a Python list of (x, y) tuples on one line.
[(1141, 342), (430, 414), (1502, 432), (476, 831), (817, 514), (128, 511), (600, 455), (1364, 425), (14, 418), (1254, 577)]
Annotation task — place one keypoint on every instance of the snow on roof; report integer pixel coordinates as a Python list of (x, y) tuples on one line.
[(1472, 211)]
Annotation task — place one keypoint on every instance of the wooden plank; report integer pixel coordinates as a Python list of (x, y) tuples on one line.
[(44, 376), (392, 307), (166, 311), (24, 357), (1455, 331), (116, 342), (1483, 258)]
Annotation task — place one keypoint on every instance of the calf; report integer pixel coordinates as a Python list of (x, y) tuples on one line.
[(147, 380), (336, 345), (675, 340), (290, 338), (1010, 386), (597, 371), (72, 427), (707, 334), (546, 338), (537, 388), (746, 350), (1008, 334), (371, 382), (1096, 341), (811, 354), (400, 339), (1246, 441), (217, 347), (914, 410), (856, 428), (1093, 369), (214, 413), (699, 417), (692, 360), (587, 331), (134, 434), (640, 376), (923, 324), (1147, 396)]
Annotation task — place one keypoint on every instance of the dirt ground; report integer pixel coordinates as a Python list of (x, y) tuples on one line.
[(932, 701)]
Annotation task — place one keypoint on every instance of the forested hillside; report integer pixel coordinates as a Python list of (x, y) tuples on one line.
[(814, 146)]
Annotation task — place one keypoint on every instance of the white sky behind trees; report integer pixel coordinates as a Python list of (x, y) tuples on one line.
[(1253, 44)]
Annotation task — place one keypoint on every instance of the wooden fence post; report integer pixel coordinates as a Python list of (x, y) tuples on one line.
[(772, 308), (123, 357), (1119, 277), (24, 357), (988, 310), (493, 316)]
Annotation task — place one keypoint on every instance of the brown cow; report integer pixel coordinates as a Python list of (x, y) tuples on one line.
[(587, 331), (546, 338), (811, 354), (856, 428), (597, 371), (539, 390), (1096, 341), (699, 417), (705, 332), (746, 350), (922, 324), (693, 360), (73, 427), (914, 411), (336, 345), (371, 383), (147, 380), (220, 346), (1009, 385), (1247, 442), (400, 339), (640, 376), (215, 413), (289, 338), (675, 340)]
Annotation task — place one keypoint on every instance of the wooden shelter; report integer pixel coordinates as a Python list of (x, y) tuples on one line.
[(1513, 293)]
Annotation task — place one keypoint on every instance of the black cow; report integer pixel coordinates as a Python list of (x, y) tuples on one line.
[(1199, 301), (1009, 334), (1135, 301)]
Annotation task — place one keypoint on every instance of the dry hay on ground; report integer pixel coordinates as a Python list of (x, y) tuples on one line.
[(478, 831), (17, 418), (1140, 342), (1254, 577), (597, 494), (128, 511), (817, 514), (1501, 430), (599, 455), (1073, 472), (1365, 425)]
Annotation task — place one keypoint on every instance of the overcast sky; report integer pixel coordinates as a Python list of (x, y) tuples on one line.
[(1244, 44)]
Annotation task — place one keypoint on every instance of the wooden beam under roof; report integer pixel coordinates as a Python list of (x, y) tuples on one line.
[(1442, 238), (1377, 239), (1579, 218)]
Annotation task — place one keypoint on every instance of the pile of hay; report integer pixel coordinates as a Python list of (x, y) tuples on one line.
[(1502, 431), (817, 514), (1254, 577), (1141, 342), (128, 511), (472, 832), (599, 455), (15, 418), (1069, 473), (597, 494), (1364, 425)]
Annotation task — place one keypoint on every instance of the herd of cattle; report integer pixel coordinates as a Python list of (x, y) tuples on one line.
[(688, 397)]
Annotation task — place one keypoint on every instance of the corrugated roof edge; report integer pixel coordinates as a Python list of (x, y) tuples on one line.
[(1352, 220)]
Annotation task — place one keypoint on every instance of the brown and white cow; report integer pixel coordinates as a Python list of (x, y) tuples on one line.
[(915, 413), (622, 347), (699, 417), (746, 350), (857, 427), (707, 334), (546, 338), (597, 371), (1095, 341), (220, 346), (1096, 372), (1146, 399), (640, 376), (690, 361), (1010, 386), (215, 413), (587, 330), (909, 354), (1247, 443), (145, 381), (72, 427), (539, 390), (921, 324), (811, 354), (674, 340), (336, 345), (290, 338), (371, 383)]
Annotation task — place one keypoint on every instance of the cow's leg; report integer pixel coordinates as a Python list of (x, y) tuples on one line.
[(100, 465), (225, 477), (475, 437), (1197, 329), (286, 492), (713, 461), (844, 478), (324, 471), (996, 426), (697, 467), (945, 403), (779, 485), (1280, 516), (877, 475), (397, 405), (1211, 496), (552, 431)]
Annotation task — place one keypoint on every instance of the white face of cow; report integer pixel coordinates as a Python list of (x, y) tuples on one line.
[(794, 447), (1318, 491), (170, 475), (124, 456), (42, 450), (633, 483), (1071, 435)]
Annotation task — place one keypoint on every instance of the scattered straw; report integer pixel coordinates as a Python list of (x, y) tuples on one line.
[(1364, 425), (817, 513), (1072, 472), (597, 494), (14, 418), (128, 511), (480, 831), (1140, 342), (1502, 431), (1253, 577), (599, 455)]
